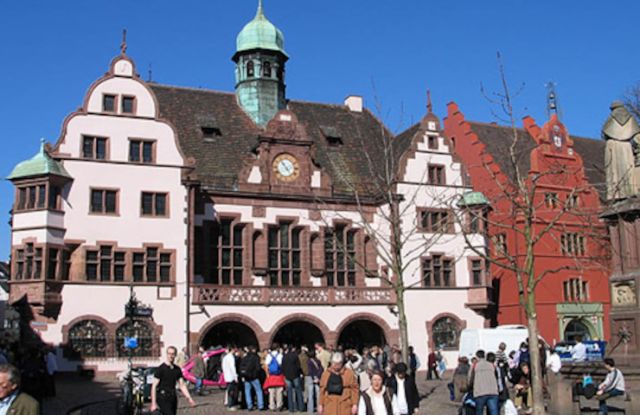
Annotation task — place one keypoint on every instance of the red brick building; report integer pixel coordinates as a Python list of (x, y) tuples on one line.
[(568, 172)]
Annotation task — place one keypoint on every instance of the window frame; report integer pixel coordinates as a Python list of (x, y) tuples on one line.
[(134, 104), (432, 142), (94, 147), (573, 244), (449, 225), (141, 142), (103, 211), (576, 290), (279, 271), (443, 259), (115, 103), (349, 267), (482, 268), (37, 195), (154, 204), (439, 177)]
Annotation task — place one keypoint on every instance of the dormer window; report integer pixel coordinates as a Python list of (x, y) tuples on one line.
[(266, 69), (332, 135), (109, 103), (250, 69), (210, 133)]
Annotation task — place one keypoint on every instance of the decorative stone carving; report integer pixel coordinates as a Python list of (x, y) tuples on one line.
[(622, 153), (623, 293)]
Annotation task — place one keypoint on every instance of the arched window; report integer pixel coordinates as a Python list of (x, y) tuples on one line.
[(446, 333), (143, 332), (576, 327), (266, 69), (88, 338), (250, 69)]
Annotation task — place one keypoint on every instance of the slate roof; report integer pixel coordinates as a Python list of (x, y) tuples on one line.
[(219, 159)]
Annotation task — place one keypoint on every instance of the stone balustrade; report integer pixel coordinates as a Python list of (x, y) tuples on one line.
[(216, 295)]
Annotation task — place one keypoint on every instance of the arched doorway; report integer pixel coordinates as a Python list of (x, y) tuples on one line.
[(298, 333), (229, 332), (361, 333), (576, 327)]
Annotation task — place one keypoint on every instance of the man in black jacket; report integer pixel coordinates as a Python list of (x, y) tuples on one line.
[(292, 375), (404, 387), (250, 372)]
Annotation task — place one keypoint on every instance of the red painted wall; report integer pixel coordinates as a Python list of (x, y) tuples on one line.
[(560, 169)]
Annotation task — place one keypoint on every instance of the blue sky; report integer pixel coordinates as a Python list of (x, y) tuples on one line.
[(388, 51)]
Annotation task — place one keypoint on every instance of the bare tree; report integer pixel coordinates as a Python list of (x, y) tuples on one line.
[(535, 217), (395, 230), (631, 99)]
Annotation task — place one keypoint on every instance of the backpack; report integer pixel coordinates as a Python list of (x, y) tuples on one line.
[(413, 362), (274, 366), (334, 384)]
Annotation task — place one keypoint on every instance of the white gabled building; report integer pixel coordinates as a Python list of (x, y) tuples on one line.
[(233, 216)]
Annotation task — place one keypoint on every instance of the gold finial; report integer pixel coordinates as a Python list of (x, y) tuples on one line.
[(123, 45), (429, 105)]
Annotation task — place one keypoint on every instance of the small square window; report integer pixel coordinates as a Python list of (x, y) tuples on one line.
[(109, 103), (128, 105)]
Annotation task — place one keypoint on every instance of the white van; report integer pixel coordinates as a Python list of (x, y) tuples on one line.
[(472, 340)]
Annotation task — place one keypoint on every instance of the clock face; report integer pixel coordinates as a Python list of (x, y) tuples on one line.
[(286, 167)]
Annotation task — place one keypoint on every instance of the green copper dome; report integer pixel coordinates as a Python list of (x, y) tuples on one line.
[(39, 165), (260, 33)]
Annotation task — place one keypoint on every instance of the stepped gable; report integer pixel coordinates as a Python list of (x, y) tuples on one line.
[(497, 139), (220, 157)]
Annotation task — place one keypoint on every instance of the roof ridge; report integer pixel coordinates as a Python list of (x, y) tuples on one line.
[(191, 88)]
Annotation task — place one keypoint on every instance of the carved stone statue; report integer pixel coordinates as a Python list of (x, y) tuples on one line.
[(622, 153)]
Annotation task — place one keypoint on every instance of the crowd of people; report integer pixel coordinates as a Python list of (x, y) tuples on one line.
[(375, 381), (490, 380)]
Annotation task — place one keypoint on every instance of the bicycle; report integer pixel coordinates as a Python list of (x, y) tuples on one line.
[(133, 384)]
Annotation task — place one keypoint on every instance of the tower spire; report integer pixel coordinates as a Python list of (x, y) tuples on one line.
[(429, 105), (552, 99), (123, 44), (259, 12)]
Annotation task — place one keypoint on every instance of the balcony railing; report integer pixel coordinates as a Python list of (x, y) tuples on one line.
[(217, 295)]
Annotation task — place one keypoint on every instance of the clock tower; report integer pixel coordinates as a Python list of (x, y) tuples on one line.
[(260, 67)]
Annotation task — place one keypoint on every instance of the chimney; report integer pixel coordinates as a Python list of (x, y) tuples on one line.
[(354, 103)]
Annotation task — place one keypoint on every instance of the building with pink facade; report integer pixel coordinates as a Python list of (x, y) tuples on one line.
[(239, 217)]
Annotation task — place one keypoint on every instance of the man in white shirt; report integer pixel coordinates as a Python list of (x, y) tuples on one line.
[(230, 377), (579, 351), (553, 362)]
